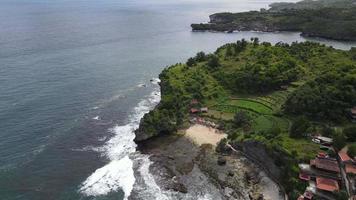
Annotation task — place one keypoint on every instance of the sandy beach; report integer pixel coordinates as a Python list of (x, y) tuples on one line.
[(200, 134)]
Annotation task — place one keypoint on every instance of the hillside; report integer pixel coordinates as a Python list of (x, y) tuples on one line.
[(335, 20), (257, 92)]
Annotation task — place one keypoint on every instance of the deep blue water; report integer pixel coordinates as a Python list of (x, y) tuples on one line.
[(63, 63)]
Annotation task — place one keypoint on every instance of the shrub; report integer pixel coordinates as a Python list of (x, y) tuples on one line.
[(299, 127)]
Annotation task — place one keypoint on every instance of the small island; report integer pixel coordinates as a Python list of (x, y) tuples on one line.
[(330, 19), (288, 108)]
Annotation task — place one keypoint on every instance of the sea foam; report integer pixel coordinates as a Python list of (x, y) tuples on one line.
[(118, 173)]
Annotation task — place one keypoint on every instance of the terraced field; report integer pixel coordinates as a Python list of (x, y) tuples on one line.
[(259, 109)]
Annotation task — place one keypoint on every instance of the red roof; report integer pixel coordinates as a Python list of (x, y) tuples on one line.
[(343, 156), (301, 197), (304, 177), (326, 164), (194, 110), (327, 184), (322, 155), (350, 168), (308, 195)]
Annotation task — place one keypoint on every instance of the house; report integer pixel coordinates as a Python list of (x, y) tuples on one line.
[(325, 164), (324, 140), (304, 177), (344, 157), (350, 168), (194, 111), (326, 184), (204, 109), (322, 155), (308, 195)]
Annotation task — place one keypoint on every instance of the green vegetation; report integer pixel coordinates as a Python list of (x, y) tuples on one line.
[(352, 150), (350, 133), (271, 94), (299, 128), (322, 18), (339, 141)]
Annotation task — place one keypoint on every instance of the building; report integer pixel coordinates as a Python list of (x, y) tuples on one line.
[(304, 176), (324, 140), (194, 111), (325, 164), (328, 185), (344, 157), (350, 168), (204, 109), (308, 195)]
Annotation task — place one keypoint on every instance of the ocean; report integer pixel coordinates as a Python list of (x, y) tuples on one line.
[(76, 77)]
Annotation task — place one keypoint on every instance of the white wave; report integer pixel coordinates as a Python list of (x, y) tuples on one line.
[(149, 189), (142, 85), (96, 118), (119, 172), (87, 148), (155, 81)]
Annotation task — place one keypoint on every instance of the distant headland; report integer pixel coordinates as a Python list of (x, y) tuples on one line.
[(330, 19)]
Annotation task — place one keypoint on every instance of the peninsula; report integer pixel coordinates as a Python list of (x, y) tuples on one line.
[(289, 108), (331, 19)]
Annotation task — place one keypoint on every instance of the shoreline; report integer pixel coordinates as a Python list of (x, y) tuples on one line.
[(191, 153)]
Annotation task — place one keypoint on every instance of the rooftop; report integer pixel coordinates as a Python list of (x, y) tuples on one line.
[(325, 164), (326, 184), (304, 176), (344, 157), (308, 195), (350, 168), (194, 110), (324, 139)]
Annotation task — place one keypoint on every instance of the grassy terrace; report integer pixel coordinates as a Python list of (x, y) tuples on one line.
[(263, 111)]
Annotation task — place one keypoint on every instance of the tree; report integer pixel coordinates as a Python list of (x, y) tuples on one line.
[(241, 118), (352, 150), (350, 133), (191, 62), (342, 195), (299, 127), (200, 57), (327, 131), (339, 141), (255, 41), (353, 53), (213, 62), (228, 52)]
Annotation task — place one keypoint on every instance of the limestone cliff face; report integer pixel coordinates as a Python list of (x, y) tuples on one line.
[(267, 159)]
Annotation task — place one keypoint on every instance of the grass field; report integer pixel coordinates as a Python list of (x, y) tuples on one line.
[(262, 111)]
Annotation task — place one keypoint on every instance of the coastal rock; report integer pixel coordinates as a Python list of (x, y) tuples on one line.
[(259, 153), (221, 160)]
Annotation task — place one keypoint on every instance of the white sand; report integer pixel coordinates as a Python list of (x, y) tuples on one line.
[(200, 134)]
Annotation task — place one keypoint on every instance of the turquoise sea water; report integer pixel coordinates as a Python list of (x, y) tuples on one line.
[(75, 80)]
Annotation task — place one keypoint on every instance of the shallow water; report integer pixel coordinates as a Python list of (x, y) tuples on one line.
[(71, 93)]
